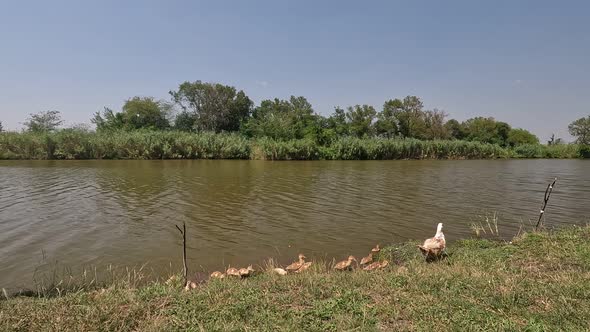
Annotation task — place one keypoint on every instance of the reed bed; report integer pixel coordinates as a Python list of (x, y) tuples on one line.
[(548, 151), (76, 144), (145, 144), (386, 149)]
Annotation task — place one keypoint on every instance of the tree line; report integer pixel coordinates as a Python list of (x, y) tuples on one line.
[(212, 107)]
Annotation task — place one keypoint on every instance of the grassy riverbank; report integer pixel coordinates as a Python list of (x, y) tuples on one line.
[(538, 282), (78, 144)]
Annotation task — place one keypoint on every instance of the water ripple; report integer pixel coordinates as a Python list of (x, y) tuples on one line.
[(238, 212)]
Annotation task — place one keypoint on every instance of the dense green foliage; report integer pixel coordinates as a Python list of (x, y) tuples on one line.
[(581, 130), (213, 107), (536, 282), (282, 120), (408, 113), (280, 129), (548, 151), (486, 130), (139, 144), (152, 144), (360, 120), (521, 136), (137, 113), (43, 121)]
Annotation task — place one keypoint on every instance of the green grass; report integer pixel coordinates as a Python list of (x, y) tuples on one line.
[(548, 151), (77, 144), (537, 282), (145, 144)]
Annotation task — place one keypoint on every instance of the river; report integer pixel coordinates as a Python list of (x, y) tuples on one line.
[(95, 213)]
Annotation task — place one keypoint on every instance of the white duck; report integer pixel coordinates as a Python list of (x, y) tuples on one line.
[(434, 247)]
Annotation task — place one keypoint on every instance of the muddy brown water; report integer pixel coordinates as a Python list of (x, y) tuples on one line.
[(96, 213)]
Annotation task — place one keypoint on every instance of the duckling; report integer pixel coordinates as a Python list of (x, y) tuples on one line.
[(433, 247), (376, 250), (172, 279), (372, 266), (279, 271), (368, 259), (190, 285), (245, 272), (217, 275), (376, 265), (345, 264), (233, 272), (304, 267), (296, 265)]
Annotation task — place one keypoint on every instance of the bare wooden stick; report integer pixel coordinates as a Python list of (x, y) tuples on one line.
[(545, 201), (183, 232)]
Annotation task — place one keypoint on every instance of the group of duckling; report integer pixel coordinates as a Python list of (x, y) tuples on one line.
[(432, 248), (230, 272), (366, 262), (346, 265), (241, 273)]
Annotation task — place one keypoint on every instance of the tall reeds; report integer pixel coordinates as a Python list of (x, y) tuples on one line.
[(76, 144), (145, 144), (385, 149)]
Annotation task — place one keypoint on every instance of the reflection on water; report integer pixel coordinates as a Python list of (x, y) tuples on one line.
[(84, 213)]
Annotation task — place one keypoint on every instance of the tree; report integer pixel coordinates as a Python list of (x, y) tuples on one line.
[(283, 119), (580, 129), (80, 127), (480, 129), (520, 136), (554, 141), (337, 123), (409, 115), (185, 121), (502, 131), (137, 113), (360, 120), (434, 125), (1, 128), (487, 130), (145, 112), (455, 129), (44, 121), (386, 124), (108, 120), (319, 130), (304, 118), (216, 107), (274, 119)]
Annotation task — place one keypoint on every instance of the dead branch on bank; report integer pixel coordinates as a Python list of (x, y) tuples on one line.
[(185, 269), (545, 201)]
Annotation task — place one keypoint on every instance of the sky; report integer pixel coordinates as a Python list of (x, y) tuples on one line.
[(523, 62)]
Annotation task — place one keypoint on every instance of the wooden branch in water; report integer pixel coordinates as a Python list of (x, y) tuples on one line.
[(185, 269), (545, 201)]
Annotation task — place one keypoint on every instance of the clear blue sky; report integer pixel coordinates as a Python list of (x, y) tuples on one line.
[(524, 62)]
